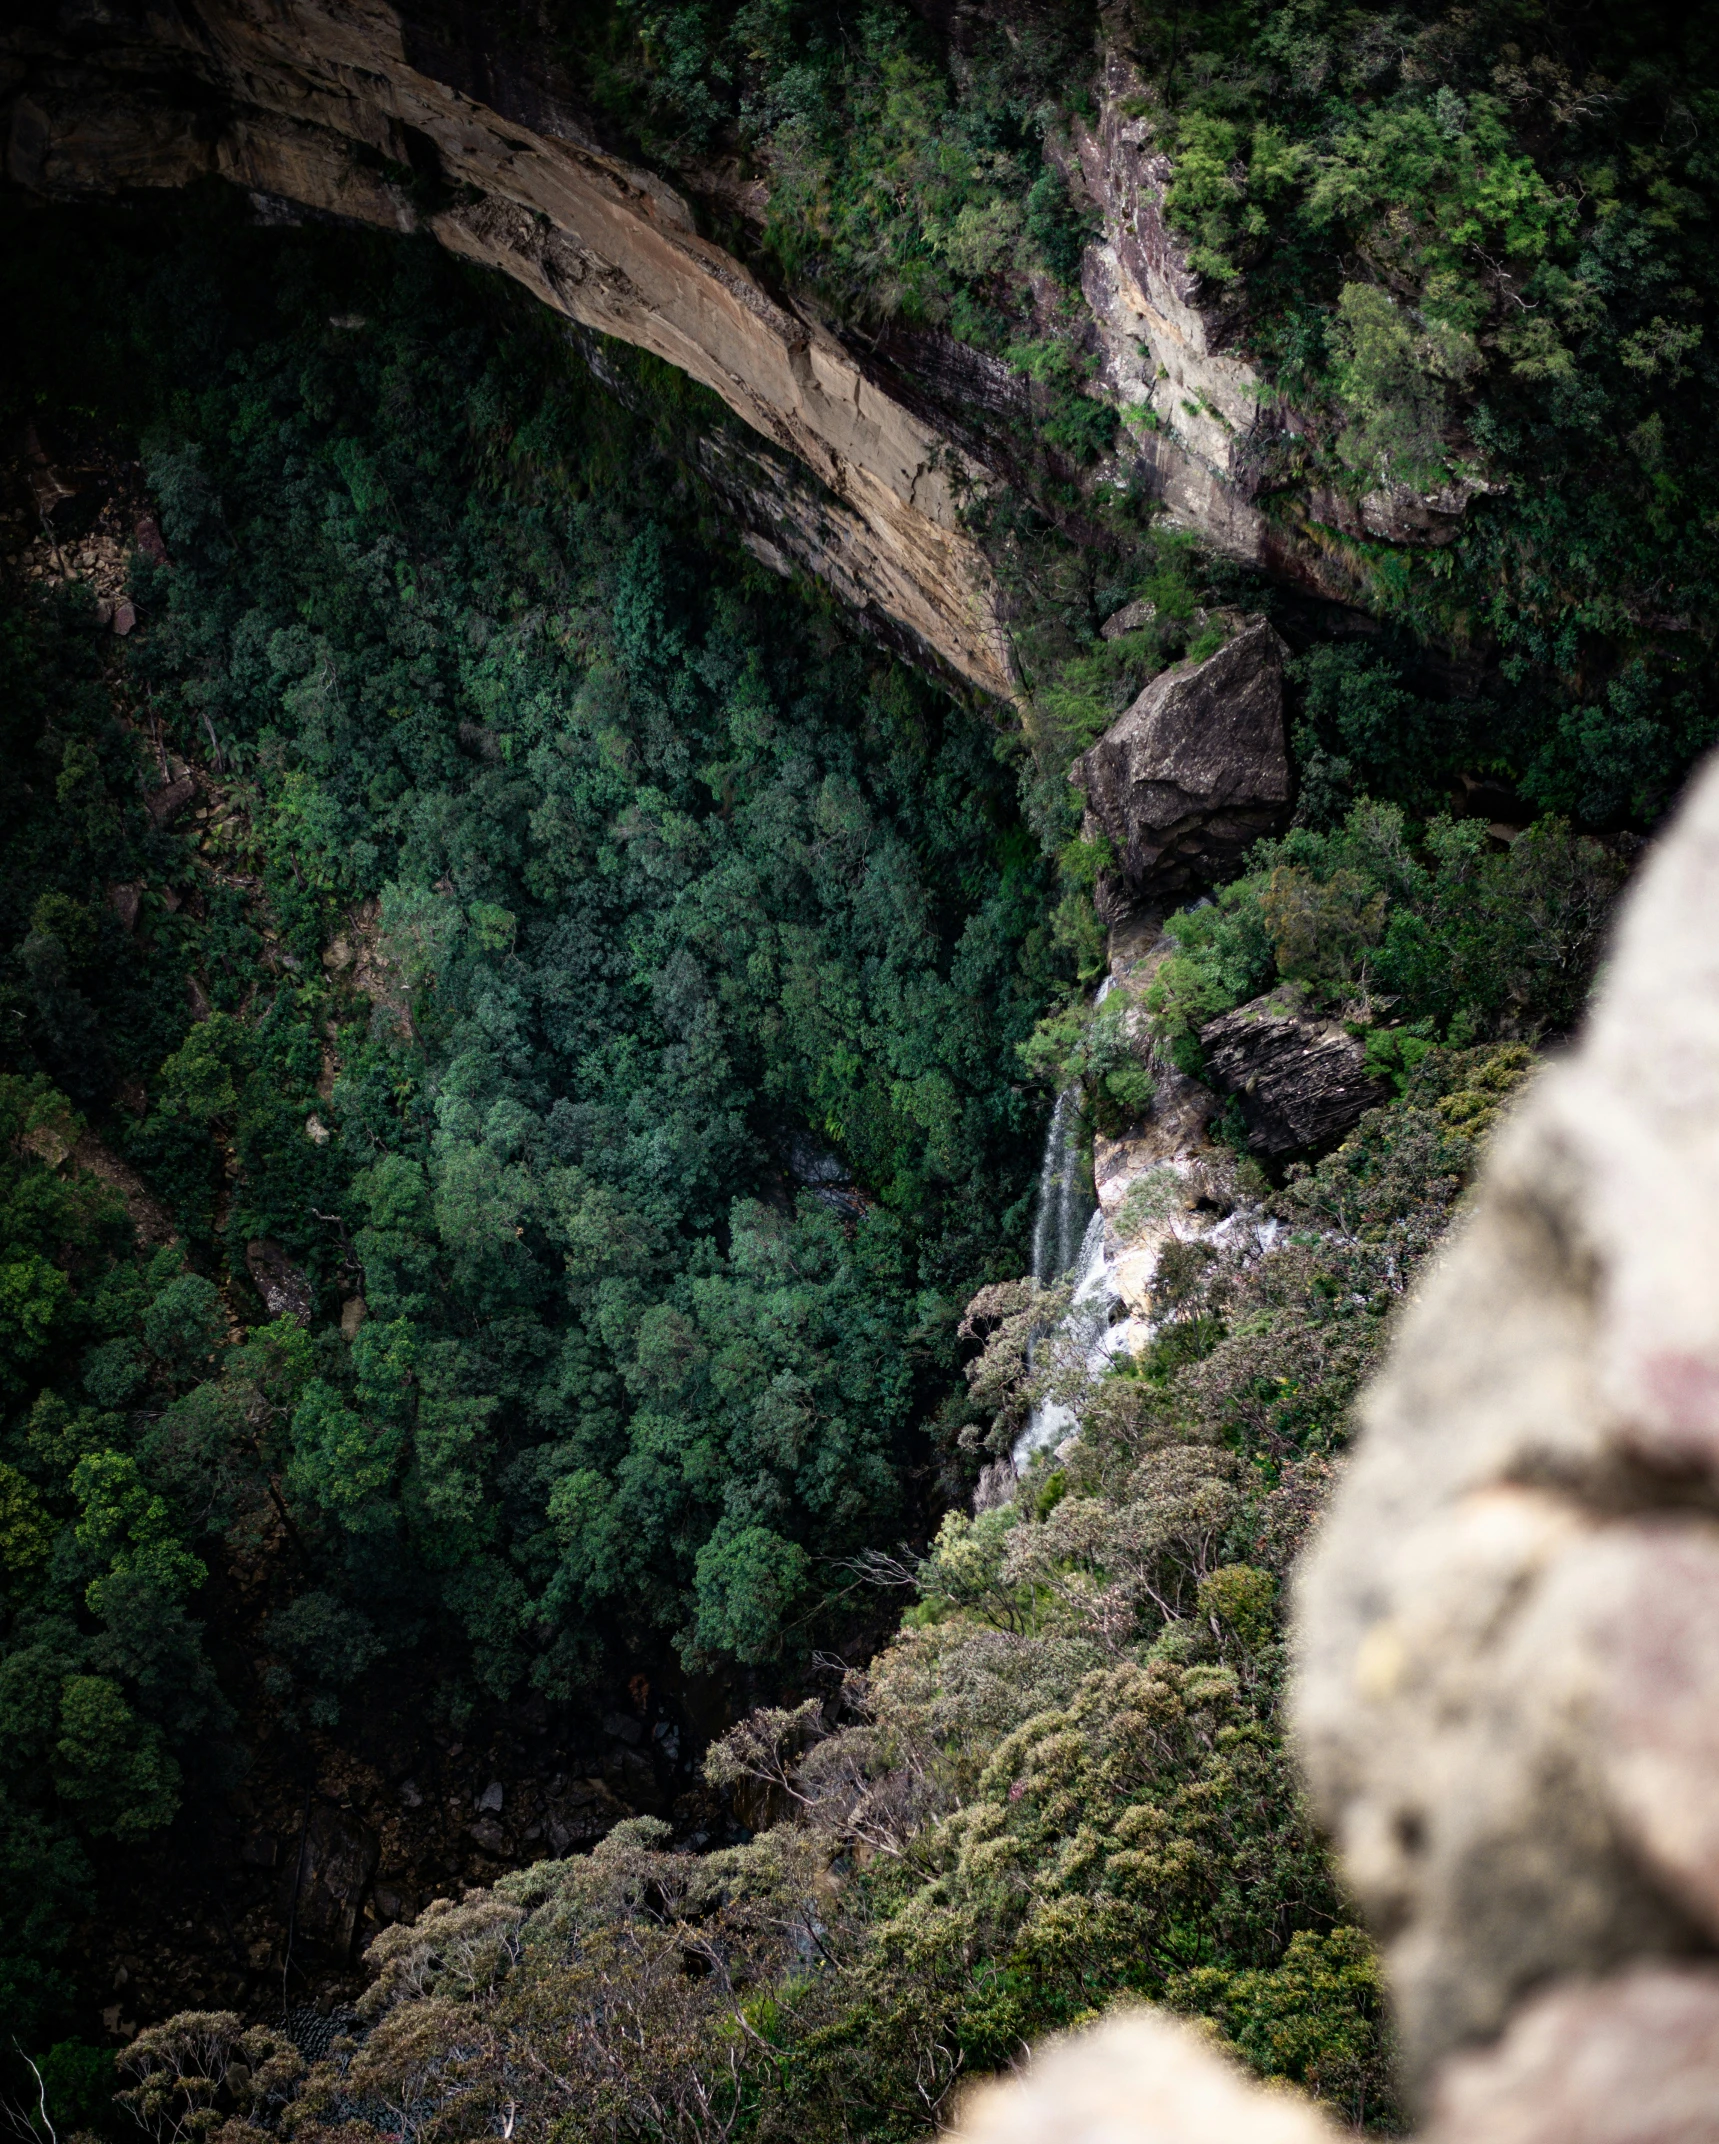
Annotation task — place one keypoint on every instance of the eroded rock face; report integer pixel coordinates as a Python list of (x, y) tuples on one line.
[(362, 110), (1301, 1081), (1192, 774), (1199, 419), (1201, 415), (1508, 1691), (311, 102)]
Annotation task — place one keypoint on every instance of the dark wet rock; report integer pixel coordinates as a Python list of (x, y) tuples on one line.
[(284, 1289), (313, 2028), (823, 1173), (488, 1836), (1301, 1081), (1192, 774), (327, 1878), (164, 805)]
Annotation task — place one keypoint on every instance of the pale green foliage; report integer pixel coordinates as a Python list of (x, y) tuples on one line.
[(129, 1529), (1394, 375), (25, 1531), (199, 2068)]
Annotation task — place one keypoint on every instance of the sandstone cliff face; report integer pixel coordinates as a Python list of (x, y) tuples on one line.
[(1198, 415), (335, 106), (310, 102)]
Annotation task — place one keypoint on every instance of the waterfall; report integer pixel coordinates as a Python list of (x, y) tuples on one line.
[(1087, 1322), (1065, 1194)]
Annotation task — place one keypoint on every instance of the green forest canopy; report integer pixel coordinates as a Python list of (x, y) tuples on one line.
[(632, 987), (565, 884)]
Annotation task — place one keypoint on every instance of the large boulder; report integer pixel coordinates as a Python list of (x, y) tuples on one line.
[(1138, 2077), (1193, 773), (285, 1291), (1301, 1081), (1507, 1689)]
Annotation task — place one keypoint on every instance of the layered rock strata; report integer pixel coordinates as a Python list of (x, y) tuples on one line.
[(371, 112), (341, 106), (1301, 1081), (1192, 774)]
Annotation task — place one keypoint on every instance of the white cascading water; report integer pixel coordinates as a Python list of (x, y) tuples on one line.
[(1072, 1236), (1065, 1196), (1087, 1323)]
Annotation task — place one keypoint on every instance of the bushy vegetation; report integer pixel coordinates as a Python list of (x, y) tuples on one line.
[(1062, 1785), (1413, 937), (1479, 241), (898, 180), (520, 1036), (543, 890), (1457, 939)]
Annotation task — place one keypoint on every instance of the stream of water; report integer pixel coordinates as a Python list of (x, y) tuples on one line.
[(1073, 1239), (1065, 1194)]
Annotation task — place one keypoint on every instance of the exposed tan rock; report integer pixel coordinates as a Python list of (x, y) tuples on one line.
[(1138, 2078), (313, 99), (149, 1217), (1198, 412), (1198, 417), (1397, 513), (1628, 2061), (358, 109), (1509, 1629)]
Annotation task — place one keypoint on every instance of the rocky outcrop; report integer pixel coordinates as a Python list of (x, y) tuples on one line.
[(325, 1884), (1198, 415), (285, 1291), (1508, 1692), (344, 107), (1301, 1081), (1139, 2078), (1199, 421), (1629, 2059), (384, 115), (1192, 774)]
